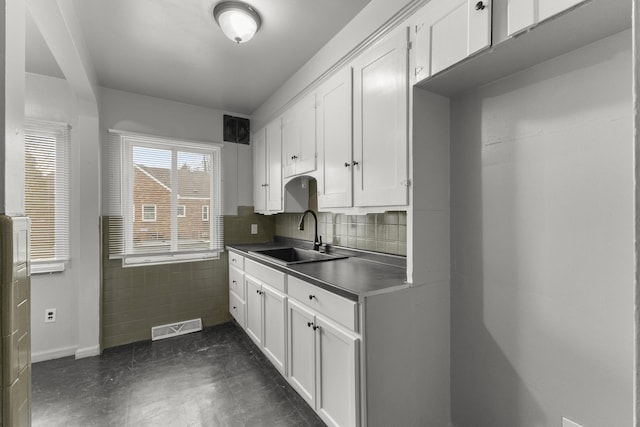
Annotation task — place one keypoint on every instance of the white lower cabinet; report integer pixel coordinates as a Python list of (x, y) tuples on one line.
[(302, 351), (311, 335), (274, 326), (254, 310), (266, 320), (236, 288), (323, 365), (337, 379)]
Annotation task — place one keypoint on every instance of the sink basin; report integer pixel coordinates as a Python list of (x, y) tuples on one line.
[(289, 256)]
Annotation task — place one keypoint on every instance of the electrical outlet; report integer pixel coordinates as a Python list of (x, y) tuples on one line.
[(49, 315), (568, 423), (254, 228)]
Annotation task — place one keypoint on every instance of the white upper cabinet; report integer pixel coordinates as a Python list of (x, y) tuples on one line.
[(380, 113), (299, 137), (334, 141), (523, 14), (267, 168), (259, 170), (274, 166), (448, 31)]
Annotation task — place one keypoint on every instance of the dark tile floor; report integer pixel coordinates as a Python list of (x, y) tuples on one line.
[(216, 377)]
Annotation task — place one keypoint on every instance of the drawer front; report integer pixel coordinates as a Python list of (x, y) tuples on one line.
[(264, 274), (236, 260), (333, 306), (236, 308), (236, 281)]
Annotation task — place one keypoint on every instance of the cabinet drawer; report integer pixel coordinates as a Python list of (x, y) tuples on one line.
[(236, 308), (236, 260), (236, 282), (335, 307), (264, 274)]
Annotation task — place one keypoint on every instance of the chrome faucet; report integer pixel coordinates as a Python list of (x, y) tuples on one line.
[(316, 242)]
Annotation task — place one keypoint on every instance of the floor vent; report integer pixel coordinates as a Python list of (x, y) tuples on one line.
[(175, 329)]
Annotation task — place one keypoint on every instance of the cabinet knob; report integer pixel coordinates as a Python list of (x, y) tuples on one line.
[(309, 324), (312, 296), (294, 157), (355, 163), (235, 308), (480, 6), (346, 164), (234, 282), (315, 327)]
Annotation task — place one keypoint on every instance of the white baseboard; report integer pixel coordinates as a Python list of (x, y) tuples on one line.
[(94, 350), (56, 353)]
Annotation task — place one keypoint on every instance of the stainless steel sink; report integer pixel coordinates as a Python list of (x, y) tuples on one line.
[(289, 256)]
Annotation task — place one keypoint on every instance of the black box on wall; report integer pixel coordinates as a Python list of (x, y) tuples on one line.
[(236, 129)]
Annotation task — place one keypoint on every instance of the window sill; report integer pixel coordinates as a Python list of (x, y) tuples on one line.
[(47, 267), (142, 260)]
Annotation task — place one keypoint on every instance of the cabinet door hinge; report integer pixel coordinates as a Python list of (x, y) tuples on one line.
[(410, 45)]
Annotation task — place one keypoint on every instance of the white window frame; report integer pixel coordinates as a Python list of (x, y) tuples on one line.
[(120, 158), (184, 211), (61, 229), (205, 212), (155, 213)]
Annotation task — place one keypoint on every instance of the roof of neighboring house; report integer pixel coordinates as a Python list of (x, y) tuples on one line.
[(191, 183)]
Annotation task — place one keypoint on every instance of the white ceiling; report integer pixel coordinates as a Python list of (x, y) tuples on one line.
[(173, 49)]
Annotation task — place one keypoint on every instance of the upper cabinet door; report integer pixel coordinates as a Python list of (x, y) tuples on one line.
[(334, 141), (548, 8), (522, 14), (259, 171), (448, 31), (380, 87), (299, 137), (274, 165), (307, 154), (290, 141)]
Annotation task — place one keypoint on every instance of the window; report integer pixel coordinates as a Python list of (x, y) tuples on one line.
[(205, 213), (149, 213), (47, 193), (164, 177)]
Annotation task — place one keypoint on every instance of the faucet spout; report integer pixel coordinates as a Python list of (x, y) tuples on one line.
[(316, 242)]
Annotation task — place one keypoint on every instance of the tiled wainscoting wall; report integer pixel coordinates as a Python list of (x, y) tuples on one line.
[(136, 298), (385, 232)]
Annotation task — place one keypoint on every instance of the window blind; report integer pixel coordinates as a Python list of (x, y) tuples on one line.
[(169, 183), (47, 154)]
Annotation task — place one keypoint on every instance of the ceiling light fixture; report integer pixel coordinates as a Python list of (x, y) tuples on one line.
[(238, 21)]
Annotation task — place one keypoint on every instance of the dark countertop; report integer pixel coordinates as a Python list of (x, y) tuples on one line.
[(362, 274)]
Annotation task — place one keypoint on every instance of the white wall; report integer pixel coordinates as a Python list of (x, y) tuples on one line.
[(12, 24), (542, 203), (48, 98), (138, 113)]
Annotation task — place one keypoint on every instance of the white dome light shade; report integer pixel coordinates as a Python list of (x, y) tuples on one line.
[(238, 21)]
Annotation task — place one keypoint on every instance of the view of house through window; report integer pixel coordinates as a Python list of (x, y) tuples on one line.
[(173, 185), (47, 193)]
